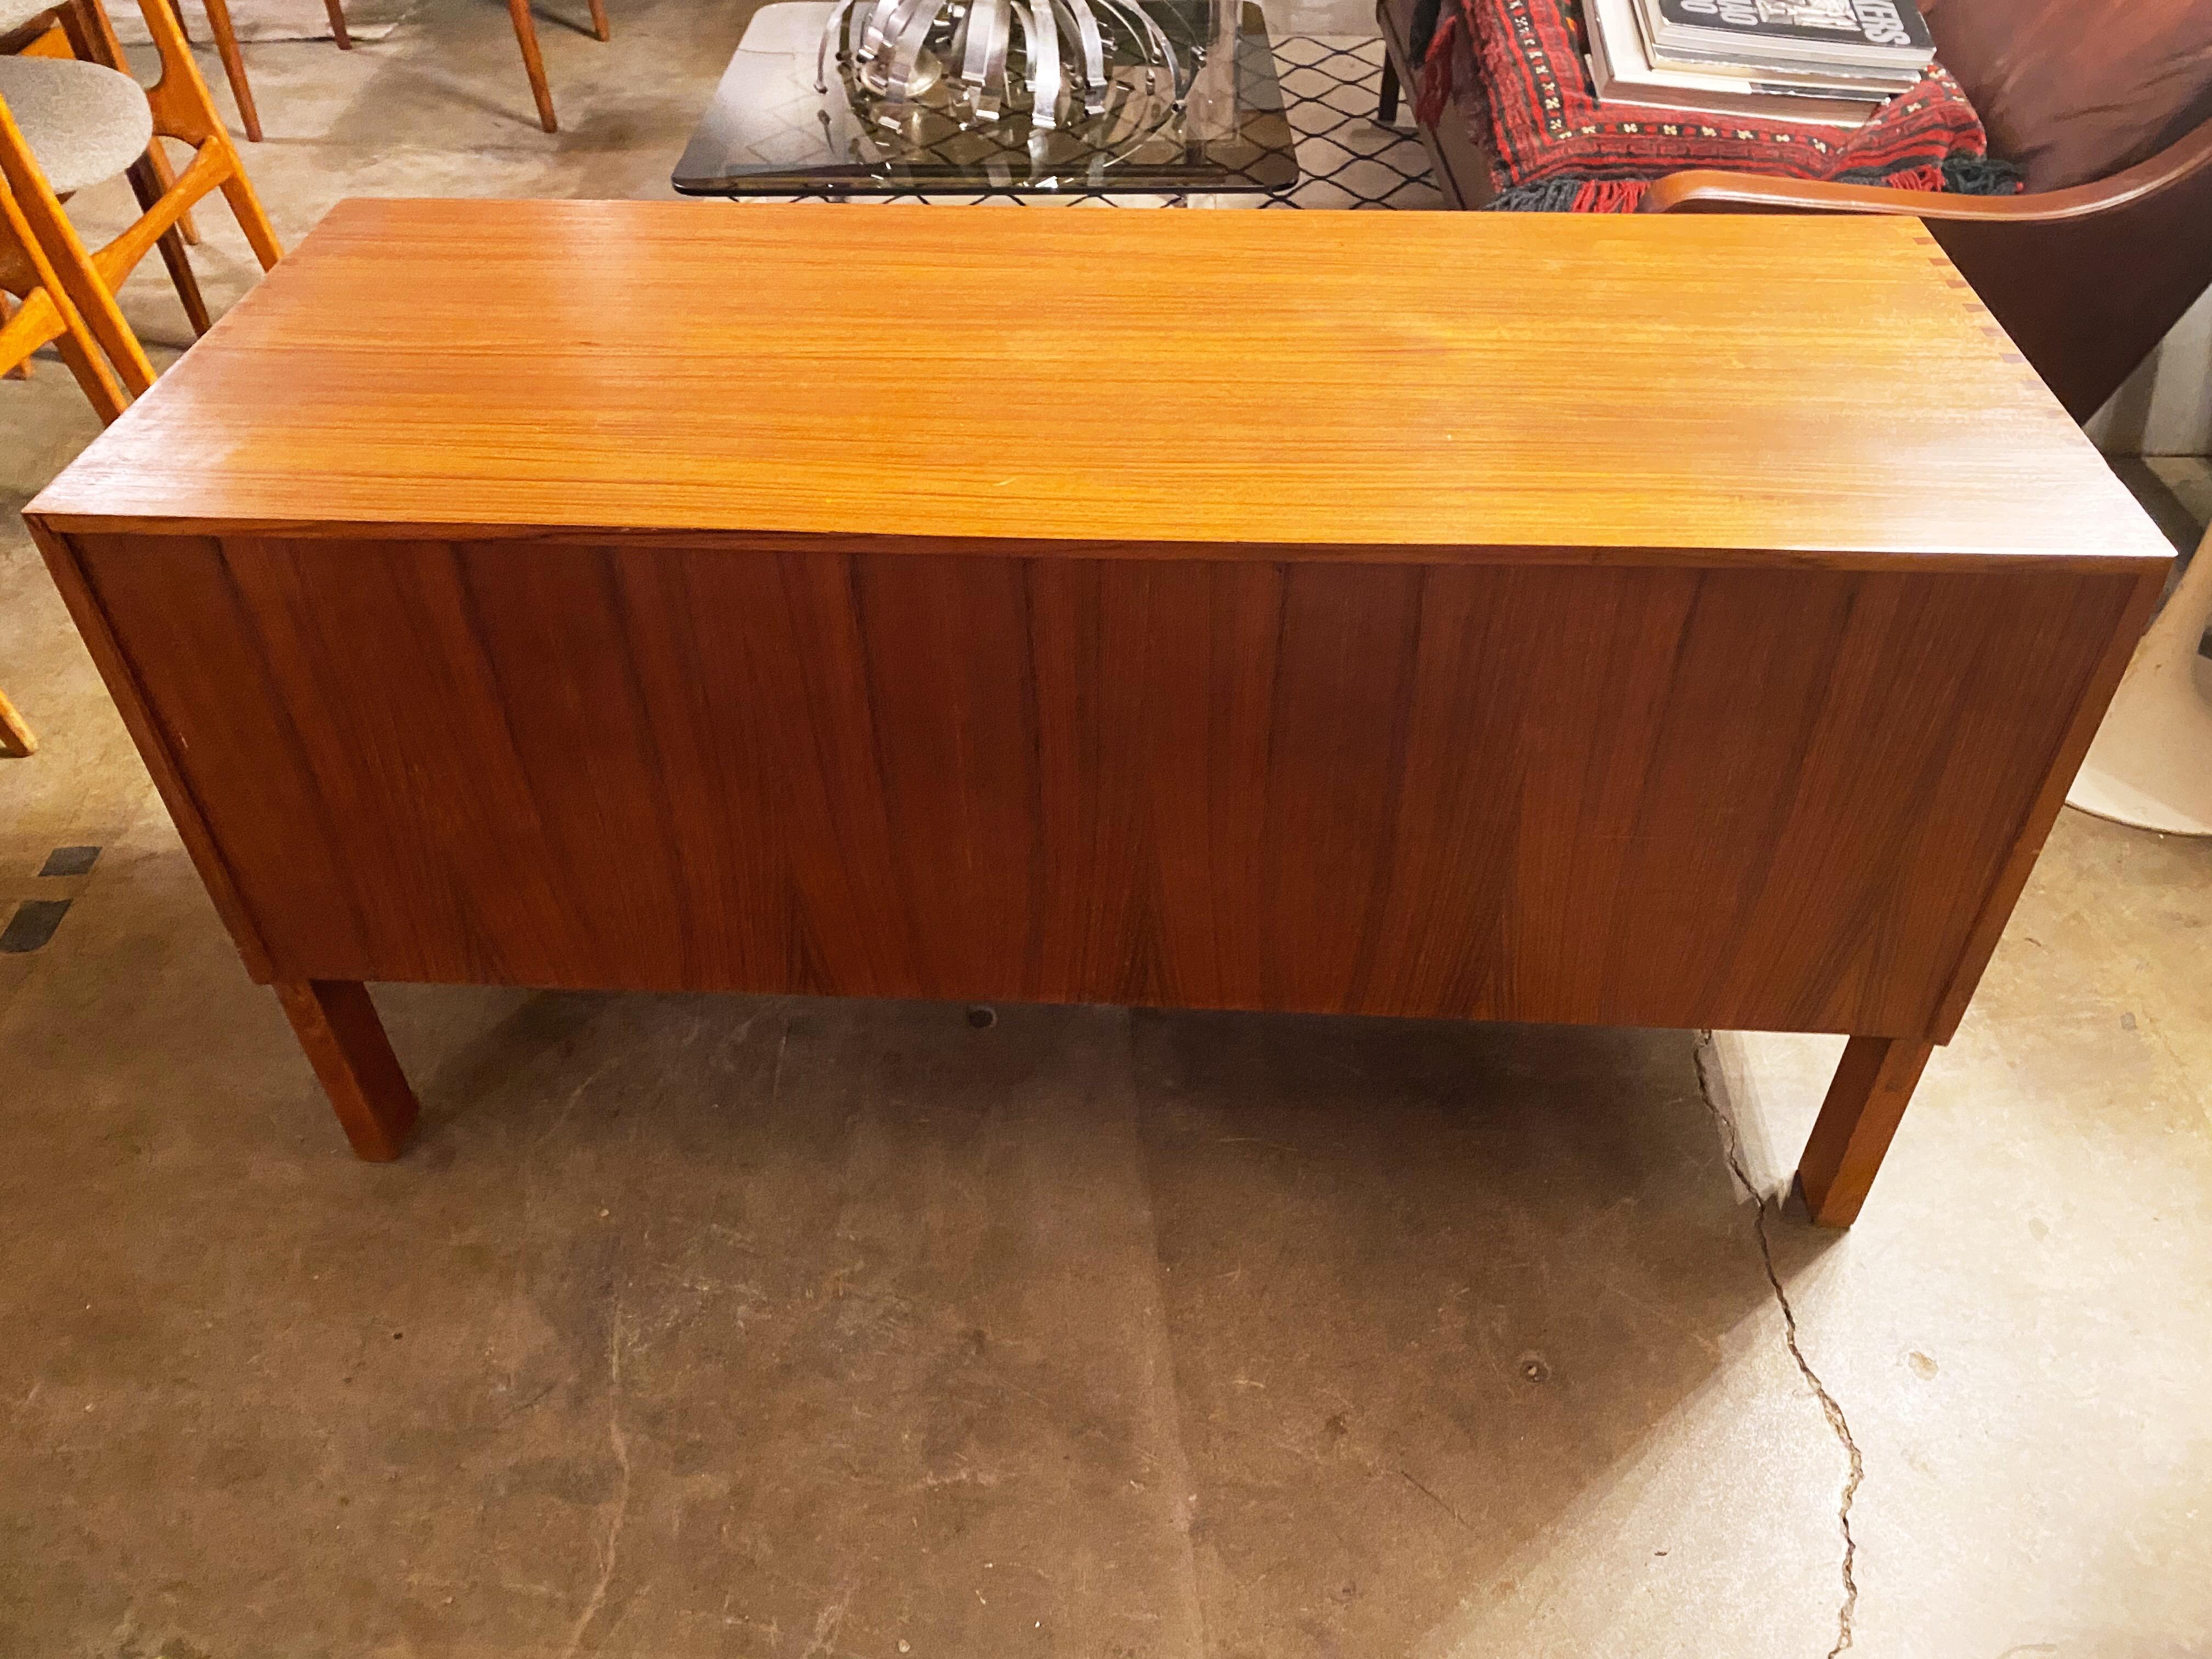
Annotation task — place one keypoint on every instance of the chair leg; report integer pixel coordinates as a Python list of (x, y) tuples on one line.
[(525, 36), (233, 66), (245, 208), (147, 188), (93, 377), (335, 10), (16, 740), (600, 19), (103, 319), (1386, 111), (182, 109), (182, 279)]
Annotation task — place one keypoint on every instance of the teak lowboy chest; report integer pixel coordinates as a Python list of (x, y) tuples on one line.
[(1627, 620)]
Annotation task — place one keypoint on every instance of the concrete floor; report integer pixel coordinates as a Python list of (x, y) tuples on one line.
[(773, 1327)]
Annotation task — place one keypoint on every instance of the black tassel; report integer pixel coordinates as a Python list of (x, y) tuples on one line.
[(1545, 195), (1983, 175)]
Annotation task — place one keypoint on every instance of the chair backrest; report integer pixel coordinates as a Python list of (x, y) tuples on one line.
[(2075, 90)]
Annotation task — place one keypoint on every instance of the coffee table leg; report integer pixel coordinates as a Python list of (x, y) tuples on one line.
[(1864, 1105), (337, 1024)]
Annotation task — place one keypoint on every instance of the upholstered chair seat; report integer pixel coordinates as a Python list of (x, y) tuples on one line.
[(84, 123)]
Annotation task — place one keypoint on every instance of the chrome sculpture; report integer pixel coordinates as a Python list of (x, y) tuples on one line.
[(1080, 62)]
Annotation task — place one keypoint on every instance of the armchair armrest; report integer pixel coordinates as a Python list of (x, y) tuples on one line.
[(2184, 163), (1708, 190)]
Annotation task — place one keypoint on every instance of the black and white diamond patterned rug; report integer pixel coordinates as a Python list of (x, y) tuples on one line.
[(1332, 84), (1332, 87)]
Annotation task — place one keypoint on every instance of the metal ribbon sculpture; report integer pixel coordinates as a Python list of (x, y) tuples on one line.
[(897, 49)]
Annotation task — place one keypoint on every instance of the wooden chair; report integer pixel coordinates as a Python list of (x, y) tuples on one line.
[(525, 36), (234, 62), (2108, 103), (23, 21), (63, 134), (90, 122), (44, 314), (80, 29)]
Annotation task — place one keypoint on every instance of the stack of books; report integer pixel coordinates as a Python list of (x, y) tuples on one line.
[(1829, 63)]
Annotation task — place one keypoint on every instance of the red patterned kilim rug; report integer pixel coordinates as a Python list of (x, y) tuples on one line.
[(1556, 146)]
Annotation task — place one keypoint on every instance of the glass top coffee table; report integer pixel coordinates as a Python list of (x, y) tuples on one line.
[(880, 98)]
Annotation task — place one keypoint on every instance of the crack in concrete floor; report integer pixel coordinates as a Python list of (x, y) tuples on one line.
[(618, 1443), (1831, 1407)]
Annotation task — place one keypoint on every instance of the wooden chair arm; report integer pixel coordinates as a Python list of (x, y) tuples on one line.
[(1706, 191)]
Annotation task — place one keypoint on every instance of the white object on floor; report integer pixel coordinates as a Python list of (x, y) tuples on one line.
[(2151, 765), (271, 20)]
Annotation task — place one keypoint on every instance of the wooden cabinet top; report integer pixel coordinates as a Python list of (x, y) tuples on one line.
[(1499, 387)]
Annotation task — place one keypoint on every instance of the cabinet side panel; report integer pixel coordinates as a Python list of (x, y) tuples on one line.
[(2094, 697), (68, 559), (1763, 799)]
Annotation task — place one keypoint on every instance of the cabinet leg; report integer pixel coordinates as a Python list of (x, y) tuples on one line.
[(337, 1024), (1865, 1103)]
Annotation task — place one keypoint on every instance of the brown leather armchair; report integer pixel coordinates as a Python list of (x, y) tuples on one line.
[(2108, 105)]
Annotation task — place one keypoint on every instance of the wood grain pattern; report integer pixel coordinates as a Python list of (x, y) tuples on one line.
[(344, 1041), (1638, 796), (124, 684), (603, 595), (2027, 846), (1417, 386), (1865, 1103), (2086, 280)]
